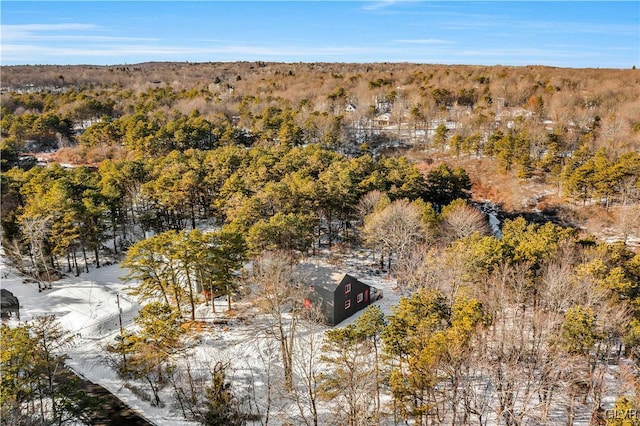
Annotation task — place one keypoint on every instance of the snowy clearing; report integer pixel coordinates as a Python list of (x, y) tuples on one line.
[(87, 307)]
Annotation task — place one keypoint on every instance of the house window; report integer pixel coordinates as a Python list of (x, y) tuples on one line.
[(347, 304), (347, 288), (360, 298)]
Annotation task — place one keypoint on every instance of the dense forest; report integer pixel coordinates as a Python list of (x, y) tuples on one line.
[(185, 173)]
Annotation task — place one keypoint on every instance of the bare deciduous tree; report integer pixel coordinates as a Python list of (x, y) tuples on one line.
[(370, 201), (628, 220), (307, 367), (462, 220), (281, 300), (36, 230), (396, 229), (412, 271)]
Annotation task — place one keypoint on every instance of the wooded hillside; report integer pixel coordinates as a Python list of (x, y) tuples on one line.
[(184, 172)]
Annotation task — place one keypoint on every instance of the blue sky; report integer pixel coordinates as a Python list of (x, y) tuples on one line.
[(565, 34)]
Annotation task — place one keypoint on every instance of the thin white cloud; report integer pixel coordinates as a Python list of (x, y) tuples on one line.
[(478, 22), (21, 53), (423, 41), (30, 53), (379, 5), (26, 32), (385, 4), (581, 27), (49, 27), (79, 38), (526, 53), (23, 42)]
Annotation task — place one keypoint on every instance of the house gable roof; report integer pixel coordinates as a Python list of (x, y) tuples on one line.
[(319, 276), (324, 279), (7, 299)]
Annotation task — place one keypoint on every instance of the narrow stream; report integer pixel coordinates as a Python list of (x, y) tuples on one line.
[(491, 210)]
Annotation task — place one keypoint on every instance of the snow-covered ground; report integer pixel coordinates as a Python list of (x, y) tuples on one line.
[(87, 307)]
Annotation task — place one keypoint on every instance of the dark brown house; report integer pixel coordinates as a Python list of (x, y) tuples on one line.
[(339, 295)]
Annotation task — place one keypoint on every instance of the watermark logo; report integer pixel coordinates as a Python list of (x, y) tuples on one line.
[(621, 414)]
